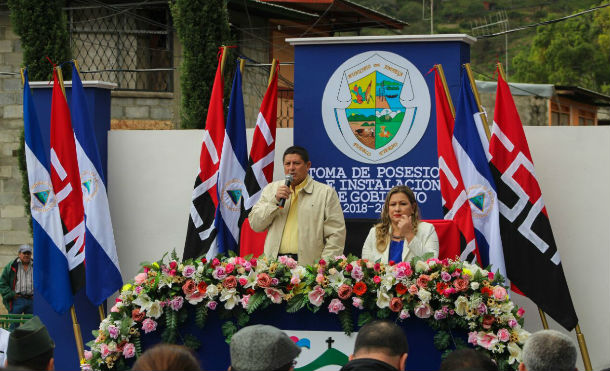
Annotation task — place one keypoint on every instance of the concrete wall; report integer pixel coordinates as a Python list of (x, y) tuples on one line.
[(14, 229), (151, 176), (533, 111)]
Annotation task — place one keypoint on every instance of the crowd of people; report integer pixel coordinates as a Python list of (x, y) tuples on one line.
[(380, 345)]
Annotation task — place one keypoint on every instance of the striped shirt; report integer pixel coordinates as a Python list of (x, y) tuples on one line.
[(25, 279)]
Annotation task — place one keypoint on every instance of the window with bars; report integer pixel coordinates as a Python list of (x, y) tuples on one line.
[(129, 44)]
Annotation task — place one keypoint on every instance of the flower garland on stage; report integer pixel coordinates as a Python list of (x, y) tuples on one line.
[(447, 294)]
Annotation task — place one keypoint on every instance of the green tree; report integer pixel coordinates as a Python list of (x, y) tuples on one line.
[(202, 27), (572, 52)]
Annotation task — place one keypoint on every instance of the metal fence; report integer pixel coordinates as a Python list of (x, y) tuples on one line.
[(129, 44)]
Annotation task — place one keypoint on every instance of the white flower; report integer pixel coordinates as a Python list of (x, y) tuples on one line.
[(165, 280), (200, 268), (522, 335), (230, 297), (461, 305), (421, 266), (211, 292), (424, 295), (387, 281), (474, 285), (514, 353), (251, 277), (383, 299), (337, 279), (155, 310), (143, 301), (298, 271)]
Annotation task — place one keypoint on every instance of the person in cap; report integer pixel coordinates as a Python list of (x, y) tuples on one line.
[(17, 283), (30, 346), (262, 348), (380, 346)]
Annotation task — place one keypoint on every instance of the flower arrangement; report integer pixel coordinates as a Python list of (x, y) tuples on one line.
[(447, 294)]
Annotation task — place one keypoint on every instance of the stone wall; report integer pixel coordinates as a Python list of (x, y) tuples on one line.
[(142, 110), (533, 111), (14, 228)]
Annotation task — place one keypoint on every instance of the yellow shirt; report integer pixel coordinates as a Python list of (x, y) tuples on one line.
[(290, 237)]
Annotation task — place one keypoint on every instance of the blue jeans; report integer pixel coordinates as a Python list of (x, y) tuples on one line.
[(22, 305)]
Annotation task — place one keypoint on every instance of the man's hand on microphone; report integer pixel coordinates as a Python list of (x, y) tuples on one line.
[(283, 192)]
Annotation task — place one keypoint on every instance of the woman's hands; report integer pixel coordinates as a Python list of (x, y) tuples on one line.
[(404, 228)]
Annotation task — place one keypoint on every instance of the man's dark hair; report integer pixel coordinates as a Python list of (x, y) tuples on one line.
[(297, 150), (382, 336), (40, 362), (468, 360)]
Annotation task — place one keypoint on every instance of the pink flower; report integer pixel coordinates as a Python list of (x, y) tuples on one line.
[(322, 262), (244, 301), (499, 292), (140, 278), (239, 260), (448, 291), (413, 290), (377, 267), (173, 264), (344, 291), (512, 323), (149, 325), (357, 302), (503, 335), (243, 281), (357, 273), (274, 281), (212, 305), (113, 331), (403, 269), (129, 350), (189, 287), (340, 257), (486, 340), (219, 273), (215, 262), (439, 314), (482, 308), (114, 309), (138, 289), (316, 296), (230, 282), (490, 276), (377, 279), (247, 266), (176, 303), (263, 280), (295, 280), (395, 304), (274, 294), (445, 276), (105, 352), (195, 298), (189, 271), (521, 312), (472, 337), (288, 261), (88, 355), (423, 310), (253, 262), (320, 279), (229, 268), (404, 314), (335, 306)]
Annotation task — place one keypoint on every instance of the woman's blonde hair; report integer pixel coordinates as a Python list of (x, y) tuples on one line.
[(382, 229)]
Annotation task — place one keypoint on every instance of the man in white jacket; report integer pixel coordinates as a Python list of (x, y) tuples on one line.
[(310, 225)]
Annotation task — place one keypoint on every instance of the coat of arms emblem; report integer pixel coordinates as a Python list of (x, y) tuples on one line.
[(376, 107)]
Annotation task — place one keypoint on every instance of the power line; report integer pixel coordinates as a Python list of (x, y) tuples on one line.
[(543, 23)]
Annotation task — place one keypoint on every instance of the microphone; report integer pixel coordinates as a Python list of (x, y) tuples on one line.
[(288, 181)]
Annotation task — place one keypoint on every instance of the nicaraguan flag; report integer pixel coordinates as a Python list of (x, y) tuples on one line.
[(103, 275), (51, 271), (470, 145), (233, 163)]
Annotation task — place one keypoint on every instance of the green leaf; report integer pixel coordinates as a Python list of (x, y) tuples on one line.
[(242, 318), (192, 342), (383, 313), (138, 345), (201, 314), (174, 255), (364, 318), (228, 329), (296, 303), (255, 301), (442, 340), (347, 323)]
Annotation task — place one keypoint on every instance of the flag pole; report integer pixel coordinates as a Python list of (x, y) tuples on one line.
[(582, 344), (441, 73), (272, 73), (242, 63), (475, 92), (223, 58), (78, 338)]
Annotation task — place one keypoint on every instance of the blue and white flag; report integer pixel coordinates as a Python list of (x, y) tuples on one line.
[(103, 275), (51, 271), (471, 150), (233, 164)]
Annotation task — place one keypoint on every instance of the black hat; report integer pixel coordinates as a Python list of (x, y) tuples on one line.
[(28, 341)]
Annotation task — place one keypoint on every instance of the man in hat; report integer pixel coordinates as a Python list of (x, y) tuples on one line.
[(17, 283), (30, 346), (262, 348)]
